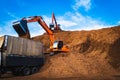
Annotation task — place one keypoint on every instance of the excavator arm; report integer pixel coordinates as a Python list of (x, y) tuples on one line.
[(40, 20)]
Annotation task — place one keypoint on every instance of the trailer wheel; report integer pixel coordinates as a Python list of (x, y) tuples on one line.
[(34, 70), (26, 71)]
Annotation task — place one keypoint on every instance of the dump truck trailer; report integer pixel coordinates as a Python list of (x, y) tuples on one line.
[(20, 56)]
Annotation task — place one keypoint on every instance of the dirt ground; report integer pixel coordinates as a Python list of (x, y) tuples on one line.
[(93, 54)]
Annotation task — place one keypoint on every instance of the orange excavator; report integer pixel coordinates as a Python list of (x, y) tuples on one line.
[(54, 26), (22, 29)]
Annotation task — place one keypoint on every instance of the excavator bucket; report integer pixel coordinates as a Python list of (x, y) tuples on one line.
[(21, 27)]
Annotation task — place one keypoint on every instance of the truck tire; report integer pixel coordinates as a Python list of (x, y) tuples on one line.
[(34, 70), (26, 71)]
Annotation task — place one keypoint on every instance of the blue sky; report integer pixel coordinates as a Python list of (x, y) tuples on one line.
[(71, 14)]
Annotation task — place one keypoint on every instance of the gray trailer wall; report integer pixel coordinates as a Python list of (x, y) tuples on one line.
[(21, 46)]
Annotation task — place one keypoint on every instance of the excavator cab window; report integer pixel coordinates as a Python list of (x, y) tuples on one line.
[(55, 45), (20, 27), (58, 44)]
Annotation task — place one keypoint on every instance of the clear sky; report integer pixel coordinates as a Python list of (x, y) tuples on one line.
[(71, 14)]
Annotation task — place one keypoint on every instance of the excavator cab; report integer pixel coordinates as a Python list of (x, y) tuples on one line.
[(20, 27), (51, 26), (57, 44)]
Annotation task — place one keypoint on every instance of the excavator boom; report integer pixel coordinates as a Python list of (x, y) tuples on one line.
[(40, 20)]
